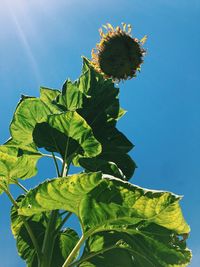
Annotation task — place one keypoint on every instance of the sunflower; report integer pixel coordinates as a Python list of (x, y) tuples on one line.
[(118, 55)]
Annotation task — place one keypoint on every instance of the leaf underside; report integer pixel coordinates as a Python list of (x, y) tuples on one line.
[(135, 221)]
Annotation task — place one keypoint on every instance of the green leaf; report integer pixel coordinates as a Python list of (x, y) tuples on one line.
[(3, 179), (71, 98), (85, 81), (29, 112), (24, 244), (123, 161), (118, 164), (96, 100), (49, 96), (75, 127), (75, 94), (64, 243), (96, 200), (109, 204), (55, 141), (26, 148), (65, 240), (16, 164), (101, 111), (114, 150), (151, 246), (98, 164), (58, 139)]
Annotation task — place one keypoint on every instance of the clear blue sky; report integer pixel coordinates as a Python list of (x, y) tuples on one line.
[(41, 43)]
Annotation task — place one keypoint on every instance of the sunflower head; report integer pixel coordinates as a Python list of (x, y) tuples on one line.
[(118, 55)]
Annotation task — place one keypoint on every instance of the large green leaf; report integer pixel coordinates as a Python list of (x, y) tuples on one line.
[(98, 164), (103, 96), (93, 100), (71, 98), (32, 122), (84, 83), (109, 204), (65, 240), (54, 141), (18, 145), (16, 164), (29, 112), (96, 200), (118, 164), (64, 243), (49, 96), (149, 246), (101, 111), (96, 100), (74, 126)]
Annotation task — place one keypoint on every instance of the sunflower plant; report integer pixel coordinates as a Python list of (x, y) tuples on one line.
[(121, 224)]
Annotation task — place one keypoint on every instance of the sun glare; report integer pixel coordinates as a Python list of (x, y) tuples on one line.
[(16, 15)]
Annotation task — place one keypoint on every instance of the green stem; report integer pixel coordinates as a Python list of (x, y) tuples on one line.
[(27, 226), (11, 199), (68, 165), (91, 255), (73, 253), (50, 233), (62, 213), (64, 169), (65, 157), (64, 221), (49, 239), (56, 164)]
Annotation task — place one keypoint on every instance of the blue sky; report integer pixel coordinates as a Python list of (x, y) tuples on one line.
[(41, 43)]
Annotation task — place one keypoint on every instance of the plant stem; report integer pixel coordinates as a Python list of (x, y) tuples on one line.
[(62, 213), (11, 199), (91, 255), (22, 187), (64, 221), (64, 169), (74, 252), (56, 164), (50, 233), (50, 156), (65, 157), (49, 239), (27, 226)]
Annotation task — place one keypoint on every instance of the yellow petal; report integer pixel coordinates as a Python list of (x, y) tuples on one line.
[(143, 40), (109, 26), (105, 27), (129, 28), (124, 26)]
